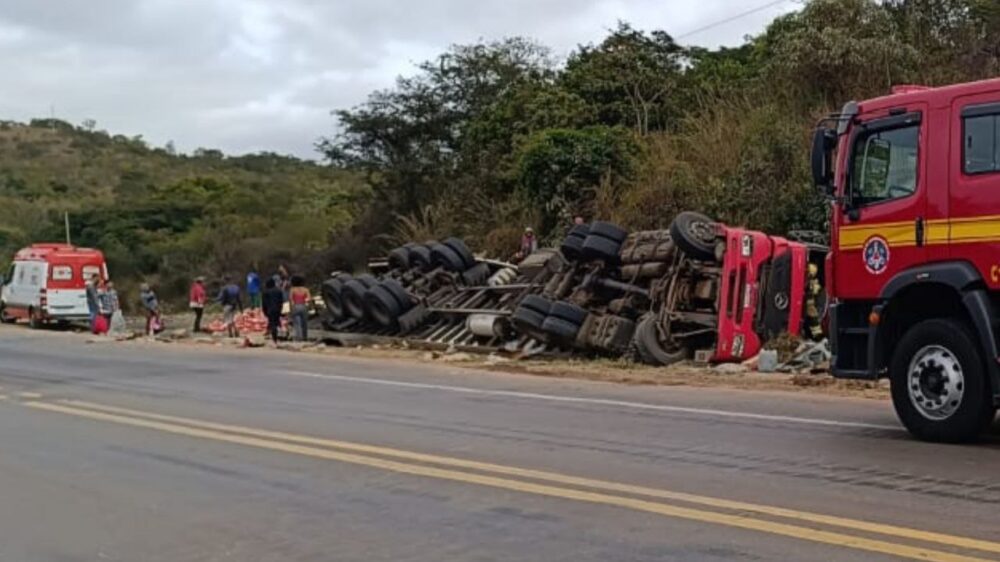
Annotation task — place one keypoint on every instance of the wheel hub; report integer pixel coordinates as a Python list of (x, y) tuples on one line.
[(702, 230), (935, 382)]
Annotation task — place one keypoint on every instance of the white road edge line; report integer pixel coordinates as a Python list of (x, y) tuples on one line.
[(597, 401)]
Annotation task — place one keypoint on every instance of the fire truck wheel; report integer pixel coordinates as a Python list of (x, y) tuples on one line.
[(559, 330), (538, 304), (607, 230), (420, 257), (939, 386), (381, 306), (444, 256), (694, 233), (569, 312), (650, 350), (459, 247), (399, 258)]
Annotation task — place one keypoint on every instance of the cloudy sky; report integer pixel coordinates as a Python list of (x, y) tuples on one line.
[(251, 75)]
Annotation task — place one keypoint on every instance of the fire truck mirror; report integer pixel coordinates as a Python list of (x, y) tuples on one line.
[(824, 141)]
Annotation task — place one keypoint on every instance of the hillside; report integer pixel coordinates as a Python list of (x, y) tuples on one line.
[(164, 216)]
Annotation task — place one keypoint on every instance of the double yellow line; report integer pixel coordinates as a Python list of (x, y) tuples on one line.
[(814, 527)]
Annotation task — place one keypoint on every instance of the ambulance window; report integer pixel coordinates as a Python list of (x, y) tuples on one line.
[(884, 165), (35, 277), (20, 274), (62, 273), (982, 144), (90, 271)]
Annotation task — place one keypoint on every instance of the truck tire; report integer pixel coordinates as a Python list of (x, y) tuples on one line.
[(4, 319), (444, 256), (694, 234), (607, 230), (353, 295), (568, 312), (572, 247), (420, 257), (413, 318), (597, 247), (527, 321), (395, 288), (399, 258), (367, 279), (559, 330), (382, 307), (648, 347), (459, 247), (477, 275), (939, 384), (34, 319), (535, 303), (333, 295)]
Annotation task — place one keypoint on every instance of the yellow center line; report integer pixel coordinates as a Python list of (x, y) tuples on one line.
[(860, 525), (741, 521)]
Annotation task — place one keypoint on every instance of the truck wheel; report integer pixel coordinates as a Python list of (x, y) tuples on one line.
[(459, 247), (34, 319), (382, 307), (572, 247), (650, 350), (4, 318), (597, 247), (420, 258), (527, 321), (333, 295), (562, 331), (694, 233), (477, 275), (395, 288), (354, 298), (939, 386), (569, 312), (399, 258), (447, 258), (535, 303), (607, 230)]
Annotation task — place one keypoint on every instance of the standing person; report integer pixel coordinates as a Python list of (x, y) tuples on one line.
[(529, 244), (196, 301), (93, 299), (253, 289), (113, 309), (229, 298), (273, 301), (284, 281), (299, 298), (151, 306)]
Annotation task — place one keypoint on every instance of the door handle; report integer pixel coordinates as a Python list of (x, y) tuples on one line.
[(920, 231)]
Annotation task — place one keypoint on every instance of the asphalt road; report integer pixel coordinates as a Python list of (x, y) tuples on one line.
[(158, 452)]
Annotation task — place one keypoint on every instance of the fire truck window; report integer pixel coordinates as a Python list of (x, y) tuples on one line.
[(62, 273), (982, 146), (884, 165)]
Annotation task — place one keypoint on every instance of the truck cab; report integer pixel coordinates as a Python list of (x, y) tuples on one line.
[(913, 274)]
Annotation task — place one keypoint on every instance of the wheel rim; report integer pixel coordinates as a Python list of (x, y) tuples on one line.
[(702, 230), (935, 382)]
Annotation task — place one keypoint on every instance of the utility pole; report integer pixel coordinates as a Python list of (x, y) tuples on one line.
[(66, 219)]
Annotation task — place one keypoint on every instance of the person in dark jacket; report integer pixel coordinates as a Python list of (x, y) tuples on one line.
[(229, 298), (272, 302)]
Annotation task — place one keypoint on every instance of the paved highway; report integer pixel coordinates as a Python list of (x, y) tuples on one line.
[(146, 452)]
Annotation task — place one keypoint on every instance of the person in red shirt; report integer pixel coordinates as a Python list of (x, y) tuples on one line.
[(197, 301)]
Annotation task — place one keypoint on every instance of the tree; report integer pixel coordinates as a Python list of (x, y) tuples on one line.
[(628, 78)]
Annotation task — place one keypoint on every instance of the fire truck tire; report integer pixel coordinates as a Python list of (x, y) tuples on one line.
[(353, 295), (560, 330), (459, 247), (420, 257), (527, 321), (597, 247), (568, 312), (939, 387), (333, 295), (572, 247), (477, 275), (535, 303), (694, 234), (399, 258), (381, 306), (607, 230), (395, 288), (650, 350), (444, 256)]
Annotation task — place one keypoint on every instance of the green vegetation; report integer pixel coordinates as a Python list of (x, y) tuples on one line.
[(490, 137), (165, 217)]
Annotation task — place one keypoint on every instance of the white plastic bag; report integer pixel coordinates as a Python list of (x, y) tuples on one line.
[(117, 327)]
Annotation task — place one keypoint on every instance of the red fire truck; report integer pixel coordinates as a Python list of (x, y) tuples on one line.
[(914, 267)]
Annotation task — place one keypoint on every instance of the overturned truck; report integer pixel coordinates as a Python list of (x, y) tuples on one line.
[(657, 296)]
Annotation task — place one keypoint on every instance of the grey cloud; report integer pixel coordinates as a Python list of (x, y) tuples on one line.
[(250, 75)]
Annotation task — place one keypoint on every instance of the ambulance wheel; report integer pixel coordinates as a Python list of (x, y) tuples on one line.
[(34, 319), (4, 319)]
